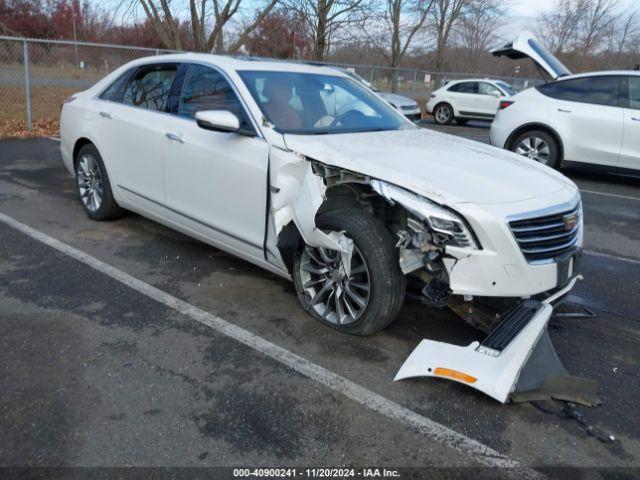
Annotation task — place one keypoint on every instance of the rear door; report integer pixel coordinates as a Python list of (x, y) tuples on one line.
[(630, 151), (587, 117), (464, 97), (132, 134)]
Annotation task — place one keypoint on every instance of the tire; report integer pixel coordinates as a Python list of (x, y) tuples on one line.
[(374, 245), (93, 186), (443, 114), (532, 144)]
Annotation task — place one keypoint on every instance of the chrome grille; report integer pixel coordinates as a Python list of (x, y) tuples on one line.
[(543, 238)]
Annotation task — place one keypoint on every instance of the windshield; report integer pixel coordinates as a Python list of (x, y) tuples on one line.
[(311, 103), (506, 87)]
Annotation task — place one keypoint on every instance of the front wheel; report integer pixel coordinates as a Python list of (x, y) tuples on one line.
[(538, 145), (361, 299)]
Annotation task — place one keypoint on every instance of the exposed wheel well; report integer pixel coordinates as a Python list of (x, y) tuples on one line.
[(81, 142), (443, 103), (343, 196), (535, 126)]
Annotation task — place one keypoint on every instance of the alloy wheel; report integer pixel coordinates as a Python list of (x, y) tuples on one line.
[(442, 114), (337, 296), (89, 182), (535, 148)]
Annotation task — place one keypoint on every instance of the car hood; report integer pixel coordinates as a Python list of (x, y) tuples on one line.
[(445, 168), (398, 100)]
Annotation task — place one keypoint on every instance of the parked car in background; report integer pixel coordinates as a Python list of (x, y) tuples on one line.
[(408, 106), (463, 100), (589, 118)]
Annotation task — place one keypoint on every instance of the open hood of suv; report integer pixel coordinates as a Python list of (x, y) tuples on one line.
[(527, 45)]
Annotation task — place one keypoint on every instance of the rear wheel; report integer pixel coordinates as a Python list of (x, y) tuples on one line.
[(92, 183), (538, 145), (443, 114), (361, 299)]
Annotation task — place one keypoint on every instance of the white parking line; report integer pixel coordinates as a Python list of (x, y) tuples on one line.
[(615, 195), (433, 430)]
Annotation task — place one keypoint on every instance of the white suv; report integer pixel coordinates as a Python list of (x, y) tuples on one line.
[(464, 100), (591, 118)]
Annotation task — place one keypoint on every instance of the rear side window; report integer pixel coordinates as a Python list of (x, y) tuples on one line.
[(634, 92), (115, 91), (595, 90), (207, 89), (464, 87), (150, 87)]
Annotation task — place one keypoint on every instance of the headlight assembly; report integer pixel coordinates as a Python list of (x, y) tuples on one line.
[(438, 219)]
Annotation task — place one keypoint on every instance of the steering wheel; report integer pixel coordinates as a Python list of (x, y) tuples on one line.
[(345, 116)]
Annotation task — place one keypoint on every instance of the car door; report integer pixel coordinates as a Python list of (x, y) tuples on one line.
[(587, 117), (464, 97), (131, 134), (630, 151), (216, 181), (488, 99)]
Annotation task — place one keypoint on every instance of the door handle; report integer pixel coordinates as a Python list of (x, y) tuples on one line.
[(564, 111), (637, 119), (173, 136), (106, 115)]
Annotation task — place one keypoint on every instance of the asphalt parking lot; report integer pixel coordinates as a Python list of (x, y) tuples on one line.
[(102, 365)]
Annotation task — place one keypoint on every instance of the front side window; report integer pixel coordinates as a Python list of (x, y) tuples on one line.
[(207, 89), (488, 89), (150, 87), (595, 90), (310, 103), (634, 92)]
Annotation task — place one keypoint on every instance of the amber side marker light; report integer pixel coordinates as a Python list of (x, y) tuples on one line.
[(463, 377)]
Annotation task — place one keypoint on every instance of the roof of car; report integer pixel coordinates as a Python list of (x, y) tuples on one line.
[(243, 63), (601, 73), (451, 82)]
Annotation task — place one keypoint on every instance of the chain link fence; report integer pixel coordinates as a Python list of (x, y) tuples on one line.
[(36, 76)]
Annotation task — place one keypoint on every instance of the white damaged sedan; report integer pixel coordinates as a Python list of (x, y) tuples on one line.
[(307, 173)]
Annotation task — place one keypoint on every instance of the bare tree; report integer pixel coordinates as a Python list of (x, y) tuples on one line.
[(578, 26), (446, 15), (401, 21), (326, 18), (559, 25), (598, 17), (480, 25), (163, 17)]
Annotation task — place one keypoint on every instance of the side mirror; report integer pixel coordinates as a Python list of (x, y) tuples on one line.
[(496, 94), (220, 121)]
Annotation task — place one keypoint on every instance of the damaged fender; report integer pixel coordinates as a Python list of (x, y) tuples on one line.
[(296, 195)]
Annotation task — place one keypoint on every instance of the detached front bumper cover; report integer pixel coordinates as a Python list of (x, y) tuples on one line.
[(515, 362)]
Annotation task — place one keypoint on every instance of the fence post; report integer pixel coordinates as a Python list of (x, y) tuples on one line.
[(27, 83)]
